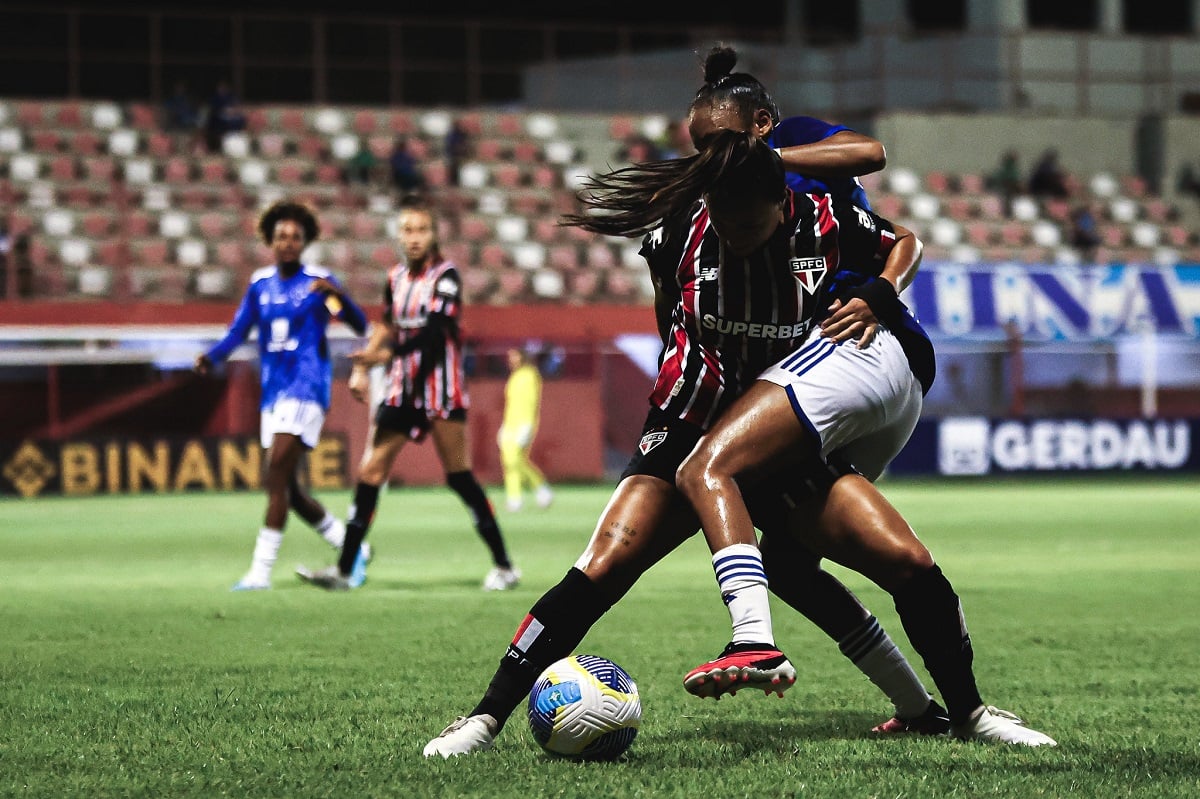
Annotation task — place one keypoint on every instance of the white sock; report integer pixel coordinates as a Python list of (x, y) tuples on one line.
[(743, 584), (872, 650), (332, 530), (266, 549)]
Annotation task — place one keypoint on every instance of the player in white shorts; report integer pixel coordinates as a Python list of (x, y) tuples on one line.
[(300, 418), (861, 404)]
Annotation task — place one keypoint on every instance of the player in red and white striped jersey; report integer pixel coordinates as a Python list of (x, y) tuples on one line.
[(426, 395)]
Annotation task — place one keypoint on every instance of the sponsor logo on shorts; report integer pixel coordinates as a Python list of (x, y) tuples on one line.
[(651, 440), (809, 272)]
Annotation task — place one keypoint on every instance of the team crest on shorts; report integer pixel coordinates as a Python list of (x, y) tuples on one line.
[(651, 440), (809, 272)]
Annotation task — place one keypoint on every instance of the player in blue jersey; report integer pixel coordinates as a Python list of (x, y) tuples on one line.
[(818, 155), (289, 305)]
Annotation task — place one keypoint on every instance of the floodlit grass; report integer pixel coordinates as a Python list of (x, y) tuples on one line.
[(128, 669)]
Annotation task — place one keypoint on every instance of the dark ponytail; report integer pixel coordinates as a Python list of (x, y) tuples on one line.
[(634, 200)]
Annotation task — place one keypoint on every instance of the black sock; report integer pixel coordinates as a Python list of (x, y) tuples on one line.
[(471, 493), (553, 628), (366, 497), (932, 617)]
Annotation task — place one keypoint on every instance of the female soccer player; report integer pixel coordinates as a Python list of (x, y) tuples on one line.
[(427, 395), (522, 401), (850, 394), (290, 304), (645, 519)]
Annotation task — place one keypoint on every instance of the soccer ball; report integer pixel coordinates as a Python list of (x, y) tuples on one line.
[(585, 707)]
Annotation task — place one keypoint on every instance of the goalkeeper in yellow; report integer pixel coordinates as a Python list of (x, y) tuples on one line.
[(522, 401)]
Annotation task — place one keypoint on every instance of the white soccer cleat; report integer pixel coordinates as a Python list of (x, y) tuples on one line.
[(251, 583), (465, 734), (501, 579), (993, 725), (330, 578), (543, 496)]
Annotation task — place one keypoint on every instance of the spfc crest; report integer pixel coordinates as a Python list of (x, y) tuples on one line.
[(809, 272), (651, 440)]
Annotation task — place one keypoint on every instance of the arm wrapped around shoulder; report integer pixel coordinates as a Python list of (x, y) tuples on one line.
[(880, 296)]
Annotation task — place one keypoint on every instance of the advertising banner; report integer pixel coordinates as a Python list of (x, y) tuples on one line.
[(975, 446)]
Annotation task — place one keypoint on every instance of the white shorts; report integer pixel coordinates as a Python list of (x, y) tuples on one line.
[(861, 404), (303, 418)]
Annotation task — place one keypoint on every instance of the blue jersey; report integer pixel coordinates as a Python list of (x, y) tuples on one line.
[(808, 130), (292, 347)]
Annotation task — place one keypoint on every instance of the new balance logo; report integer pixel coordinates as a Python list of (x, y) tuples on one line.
[(651, 440)]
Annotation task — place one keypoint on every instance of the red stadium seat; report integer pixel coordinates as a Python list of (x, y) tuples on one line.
[(86, 142), (563, 256), (45, 141), (150, 252), (143, 117), (69, 115), (177, 169), (494, 256), (98, 224), (400, 123), (512, 285), (62, 168), (365, 123), (31, 114), (526, 151)]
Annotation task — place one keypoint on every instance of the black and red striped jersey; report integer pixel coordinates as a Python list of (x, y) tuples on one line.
[(427, 371), (734, 316)]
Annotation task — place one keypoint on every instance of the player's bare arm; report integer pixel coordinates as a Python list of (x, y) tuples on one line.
[(845, 154), (855, 318)]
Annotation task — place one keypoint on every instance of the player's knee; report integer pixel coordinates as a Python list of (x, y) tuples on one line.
[(695, 474)]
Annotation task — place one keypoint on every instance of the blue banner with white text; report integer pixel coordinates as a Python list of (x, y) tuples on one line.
[(975, 446), (985, 302)]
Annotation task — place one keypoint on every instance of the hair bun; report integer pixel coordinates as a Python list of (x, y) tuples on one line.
[(719, 63)]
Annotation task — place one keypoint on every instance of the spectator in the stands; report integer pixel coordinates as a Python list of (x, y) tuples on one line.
[(1048, 178), (1005, 180), (406, 174), (360, 168), (1189, 180), (179, 111), (223, 115), (458, 147), (1085, 232)]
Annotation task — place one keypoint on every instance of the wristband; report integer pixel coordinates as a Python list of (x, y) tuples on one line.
[(880, 296)]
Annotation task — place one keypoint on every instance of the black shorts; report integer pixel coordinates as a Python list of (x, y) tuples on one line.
[(411, 421), (666, 440)]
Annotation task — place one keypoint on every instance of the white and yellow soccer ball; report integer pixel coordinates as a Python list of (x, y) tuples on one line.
[(585, 707)]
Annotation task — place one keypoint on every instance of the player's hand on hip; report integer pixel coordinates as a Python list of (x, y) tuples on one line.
[(852, 320)]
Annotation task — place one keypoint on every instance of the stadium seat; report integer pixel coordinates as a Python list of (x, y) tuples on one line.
[(529, 255), (11, 140), (494, 256), (1123, 210), (139, 171), (563, 257), (124, 142), (400, 123), (1025, 208), (547, 284), (512, 285), (474, 175), (1045, 233), (1103, 185), (561, 152), (24, 167), (526, 151), (98, 224), (62, 168), (478, 285), (75, 252), (159, 144), (214, 282), (1145, 235), (31, 113), (191, 252), (902, 180), (541, 125), (508, 175), (253, 173), (512, 228), (142, 117), (45, 141), (174, 224), (177, 169), (137, 224), (945, 232), (924, 206), (236, 144), (272, 145), (492, 202), (58, 222), (107, 116), (95, 280)]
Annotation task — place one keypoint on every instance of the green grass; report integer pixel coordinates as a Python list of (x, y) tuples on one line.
[(128, 669)]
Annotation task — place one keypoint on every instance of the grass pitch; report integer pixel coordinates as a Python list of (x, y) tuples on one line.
[(128, 669)]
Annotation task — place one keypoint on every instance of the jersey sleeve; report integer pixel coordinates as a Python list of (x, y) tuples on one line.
[(244, 319), (864, 238), (447, 295), (795, 131)]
